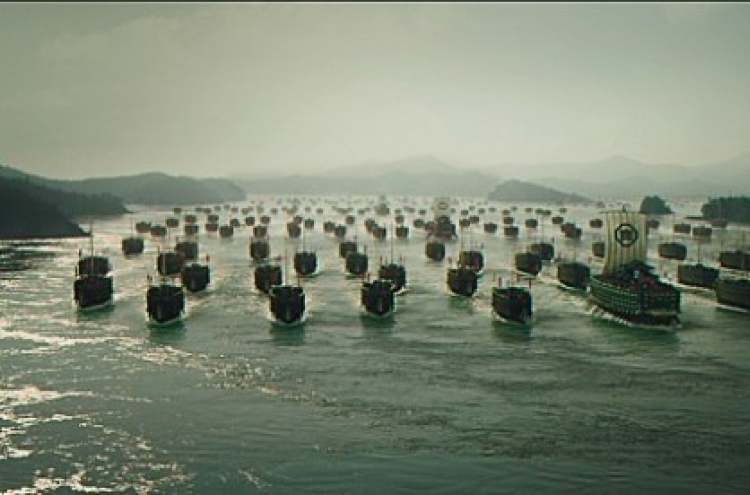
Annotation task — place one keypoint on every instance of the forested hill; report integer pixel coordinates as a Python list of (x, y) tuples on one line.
[(152, 188), (163, 189), (28, 212), (71, 204), (516, 190)]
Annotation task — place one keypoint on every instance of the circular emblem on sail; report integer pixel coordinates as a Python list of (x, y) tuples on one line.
[(626, 235)]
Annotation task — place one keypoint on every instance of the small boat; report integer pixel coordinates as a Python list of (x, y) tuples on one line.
[(379, 232), (443, 228), (510, 231), (165, 302), (346, 247), (528, 262), (267, 276), (627, 287), (339, 230), (735, 260), (697, 275), (382, 208), (226, 231), (462, 281), (733, 292), (158, 231), (356, 263), (377, 298), (673, 251), (396, 274), (544, 250), (132, 245), (93, 287), (435, 250), (293, 230), (512, 303), (190, 229), (490, 227), (195, 277), (169, 263), (574, 274), (571, 231), (472, 259), (188, 250), (259, 249), (287, 304), (305, 261)]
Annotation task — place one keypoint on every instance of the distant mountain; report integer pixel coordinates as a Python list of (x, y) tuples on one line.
[(516, 190), (412, 176), (25, 214), (152, 189), (623, 177), (608, 170), (163, 189)]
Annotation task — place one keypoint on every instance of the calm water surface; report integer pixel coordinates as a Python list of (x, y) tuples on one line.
[(442, 399)]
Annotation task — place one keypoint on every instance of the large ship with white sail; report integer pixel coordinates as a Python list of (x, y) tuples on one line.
[(627, 287)]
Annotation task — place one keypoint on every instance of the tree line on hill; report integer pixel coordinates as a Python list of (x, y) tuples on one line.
[(732, 208)]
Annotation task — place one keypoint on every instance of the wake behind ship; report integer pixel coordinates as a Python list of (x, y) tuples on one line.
[(627, 286)]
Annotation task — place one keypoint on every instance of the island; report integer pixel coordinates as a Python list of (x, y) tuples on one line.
[(516, 190)]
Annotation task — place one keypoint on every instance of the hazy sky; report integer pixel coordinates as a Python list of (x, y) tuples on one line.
[(214, 89)]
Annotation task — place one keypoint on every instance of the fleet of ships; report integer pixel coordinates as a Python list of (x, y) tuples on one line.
[(626, 287)]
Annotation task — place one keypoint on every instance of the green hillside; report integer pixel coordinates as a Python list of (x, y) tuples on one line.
[(516, 190), (24, 214)]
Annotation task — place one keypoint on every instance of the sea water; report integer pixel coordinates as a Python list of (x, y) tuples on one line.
[(442, 398)]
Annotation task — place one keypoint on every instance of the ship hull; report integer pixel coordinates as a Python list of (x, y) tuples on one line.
[(462, 281), (574, 275), (287, 304), (512, 304), (165, 304), (734, 293), (93, 292), (638, 303), (697, 275)]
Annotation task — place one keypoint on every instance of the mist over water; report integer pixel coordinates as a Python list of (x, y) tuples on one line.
[(442, 399)]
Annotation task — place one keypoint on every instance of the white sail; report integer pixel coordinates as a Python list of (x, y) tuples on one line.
[(625, 239), (441, 207)]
